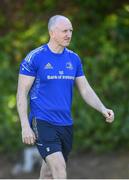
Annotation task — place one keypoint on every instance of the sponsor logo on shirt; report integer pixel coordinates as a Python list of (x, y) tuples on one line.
[(61, 77), (61, 72), (48, 66), (69, 65)]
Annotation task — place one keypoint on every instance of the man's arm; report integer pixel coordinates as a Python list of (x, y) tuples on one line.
[(92, 99), (24, 85)]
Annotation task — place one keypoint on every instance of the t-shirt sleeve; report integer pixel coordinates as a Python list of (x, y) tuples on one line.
[(79, 71), (28, 66)]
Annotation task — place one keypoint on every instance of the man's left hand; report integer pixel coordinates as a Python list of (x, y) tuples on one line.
[(109, 115)]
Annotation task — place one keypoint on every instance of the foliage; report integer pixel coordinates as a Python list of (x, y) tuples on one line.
[(100, 38)]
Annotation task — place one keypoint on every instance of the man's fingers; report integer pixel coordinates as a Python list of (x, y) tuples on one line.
[(28, 136), (109, 115), (32, 140), (29, 140), (109, 120)]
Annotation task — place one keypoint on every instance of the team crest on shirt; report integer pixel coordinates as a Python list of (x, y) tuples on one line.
[(61, 72), (69, 65), (48, 66)]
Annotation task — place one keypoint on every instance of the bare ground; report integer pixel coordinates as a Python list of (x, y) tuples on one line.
[(84, 166)]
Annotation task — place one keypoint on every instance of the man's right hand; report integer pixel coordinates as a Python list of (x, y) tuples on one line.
[(28, 136)]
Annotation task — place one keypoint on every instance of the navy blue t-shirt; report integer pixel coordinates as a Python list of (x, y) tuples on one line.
[(52, 90)]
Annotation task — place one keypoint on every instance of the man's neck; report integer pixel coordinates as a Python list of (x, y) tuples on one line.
[(55, 48)]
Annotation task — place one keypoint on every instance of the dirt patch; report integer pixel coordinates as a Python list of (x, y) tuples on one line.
[(84, 166)]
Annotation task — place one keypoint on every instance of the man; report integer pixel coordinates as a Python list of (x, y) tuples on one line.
[(48, 74)]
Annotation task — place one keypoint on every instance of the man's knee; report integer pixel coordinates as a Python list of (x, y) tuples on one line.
[(59, 169), (45, 172), (57, 165)]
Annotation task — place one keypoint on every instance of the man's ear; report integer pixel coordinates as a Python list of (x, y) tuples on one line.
[(51, 33)]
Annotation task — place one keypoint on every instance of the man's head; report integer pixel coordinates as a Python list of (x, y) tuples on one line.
[(60, 30)]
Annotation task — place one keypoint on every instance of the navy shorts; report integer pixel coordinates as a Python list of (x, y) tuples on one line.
[(51, 138)]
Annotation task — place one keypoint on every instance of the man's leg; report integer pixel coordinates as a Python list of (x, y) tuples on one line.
[(45, 172), (57, 165), (49, 145)]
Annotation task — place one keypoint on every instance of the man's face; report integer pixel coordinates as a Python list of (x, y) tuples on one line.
[(62, 33)]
